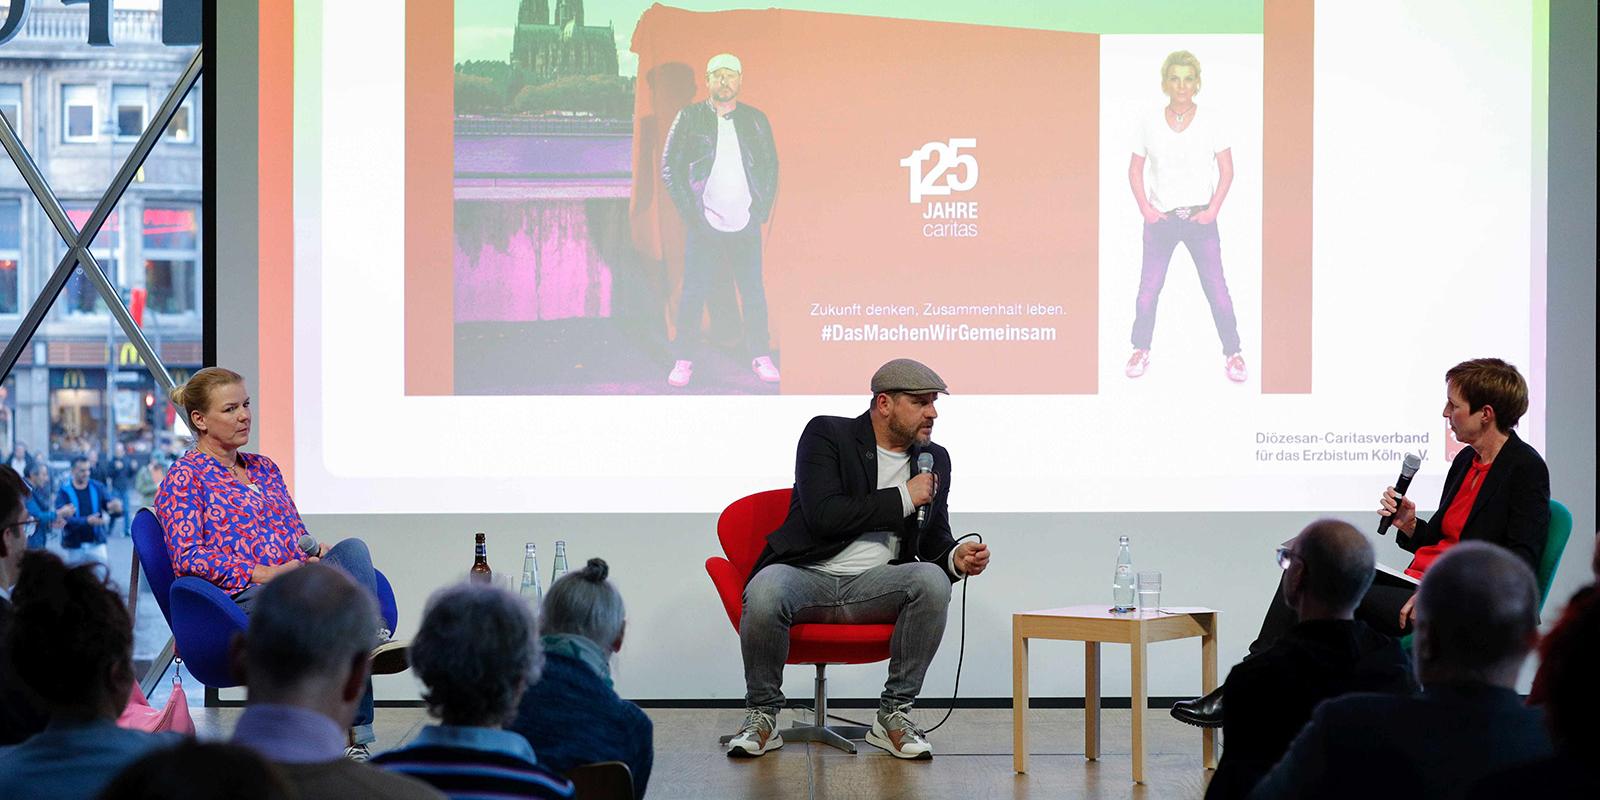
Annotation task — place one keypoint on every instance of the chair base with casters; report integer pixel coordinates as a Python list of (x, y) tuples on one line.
[(202, 617), (742, 528)]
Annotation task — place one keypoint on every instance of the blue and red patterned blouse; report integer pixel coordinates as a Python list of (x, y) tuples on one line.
[(219, 529)]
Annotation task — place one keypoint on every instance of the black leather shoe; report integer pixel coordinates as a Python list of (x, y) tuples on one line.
[(1204, 712)]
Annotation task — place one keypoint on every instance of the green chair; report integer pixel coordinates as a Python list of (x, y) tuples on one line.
[(1554, 543)]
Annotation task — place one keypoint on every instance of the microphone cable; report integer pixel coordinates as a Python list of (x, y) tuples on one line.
[(961, 654)]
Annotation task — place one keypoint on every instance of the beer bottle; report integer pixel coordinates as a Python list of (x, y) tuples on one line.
[(480, 572)]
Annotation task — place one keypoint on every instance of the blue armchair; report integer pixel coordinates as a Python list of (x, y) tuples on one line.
[(202, 617)]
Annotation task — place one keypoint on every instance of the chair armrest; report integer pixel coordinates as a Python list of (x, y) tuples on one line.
[(730, 586), (386, 604)]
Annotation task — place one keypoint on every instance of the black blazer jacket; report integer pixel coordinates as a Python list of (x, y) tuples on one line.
[(1433, 746), (1512, 508), (836, 499)]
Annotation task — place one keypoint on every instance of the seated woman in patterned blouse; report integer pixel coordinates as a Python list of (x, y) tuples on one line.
[(229, 519)]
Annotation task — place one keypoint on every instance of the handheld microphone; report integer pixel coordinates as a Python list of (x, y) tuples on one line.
[(308, 544), (1408, 470), (924, 464)]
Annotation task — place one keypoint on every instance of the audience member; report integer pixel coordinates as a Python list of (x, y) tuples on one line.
[(475, 653), (42, 506), (571, 715), (304, 659), (1476, 621), (1326, 572), (120, 472), (1569, 658), (196, 771), (92, 504), (71, 644), (20, 461), (20, 717)]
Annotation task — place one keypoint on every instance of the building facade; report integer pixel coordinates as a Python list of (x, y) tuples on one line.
[(78, 110), (563, 48)]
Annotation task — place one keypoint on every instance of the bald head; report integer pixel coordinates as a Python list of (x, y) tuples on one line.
[(1477, 611), (1336, 564)]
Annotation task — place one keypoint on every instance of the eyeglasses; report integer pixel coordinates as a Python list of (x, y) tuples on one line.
[(25, 526), (1286, 557)]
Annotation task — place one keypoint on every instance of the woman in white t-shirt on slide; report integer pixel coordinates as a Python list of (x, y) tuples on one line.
[(1191, 167)]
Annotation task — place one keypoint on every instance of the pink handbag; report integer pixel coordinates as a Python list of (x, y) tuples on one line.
[(140, 716)]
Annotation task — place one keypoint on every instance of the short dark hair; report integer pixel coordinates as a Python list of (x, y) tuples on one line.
[(68, 630), (79, 459), (1338, 562), (1477, 609), (1494, 383)]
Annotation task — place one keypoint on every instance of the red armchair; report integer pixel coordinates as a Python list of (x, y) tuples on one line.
[(743, 529)]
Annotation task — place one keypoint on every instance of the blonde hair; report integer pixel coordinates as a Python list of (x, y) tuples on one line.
[(195, 394), (1181, 58)]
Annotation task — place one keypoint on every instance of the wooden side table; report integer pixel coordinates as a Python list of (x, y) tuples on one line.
[(1093, 625)]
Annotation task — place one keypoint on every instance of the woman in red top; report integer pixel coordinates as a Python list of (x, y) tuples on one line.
[(1498, 487), (1497, 491)]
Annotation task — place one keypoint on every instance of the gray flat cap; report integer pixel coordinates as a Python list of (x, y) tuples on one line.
[(905, 375)]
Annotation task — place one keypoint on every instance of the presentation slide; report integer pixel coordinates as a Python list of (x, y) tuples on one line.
[(612, 255)]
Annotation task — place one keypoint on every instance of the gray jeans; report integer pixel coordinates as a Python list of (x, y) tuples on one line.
[(914, 596)]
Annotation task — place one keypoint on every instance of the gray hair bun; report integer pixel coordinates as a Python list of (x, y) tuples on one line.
[(595, 571)]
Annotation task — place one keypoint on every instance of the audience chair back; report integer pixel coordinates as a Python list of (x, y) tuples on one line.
[(605, 780)]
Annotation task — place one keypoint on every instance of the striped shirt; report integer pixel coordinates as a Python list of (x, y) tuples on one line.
[(468, 763)]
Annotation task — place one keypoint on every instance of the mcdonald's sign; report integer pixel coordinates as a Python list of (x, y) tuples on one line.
[(77, 379), (128, 356)]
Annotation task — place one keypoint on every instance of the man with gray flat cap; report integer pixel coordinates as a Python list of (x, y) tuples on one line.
[(867, 540)]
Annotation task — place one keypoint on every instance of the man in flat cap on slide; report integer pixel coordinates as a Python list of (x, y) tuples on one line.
[(856, 549), (720, 167)]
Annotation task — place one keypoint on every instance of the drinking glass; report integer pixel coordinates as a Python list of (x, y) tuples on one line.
[(1149, 592)]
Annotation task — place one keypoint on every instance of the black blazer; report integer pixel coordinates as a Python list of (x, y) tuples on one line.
[(836, 499), (1269, 697), (1512, 508), (1435, 745)]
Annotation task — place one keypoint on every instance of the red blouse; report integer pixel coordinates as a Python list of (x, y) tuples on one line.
[(1453, 519)]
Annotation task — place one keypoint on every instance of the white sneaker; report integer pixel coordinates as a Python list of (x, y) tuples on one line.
[(756, 735), (680, 374), (1137, 363), (895, 732), (765, 370)]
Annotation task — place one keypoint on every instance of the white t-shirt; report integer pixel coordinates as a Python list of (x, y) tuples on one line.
[(727, 194), (876, 548), (1180, 168)]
